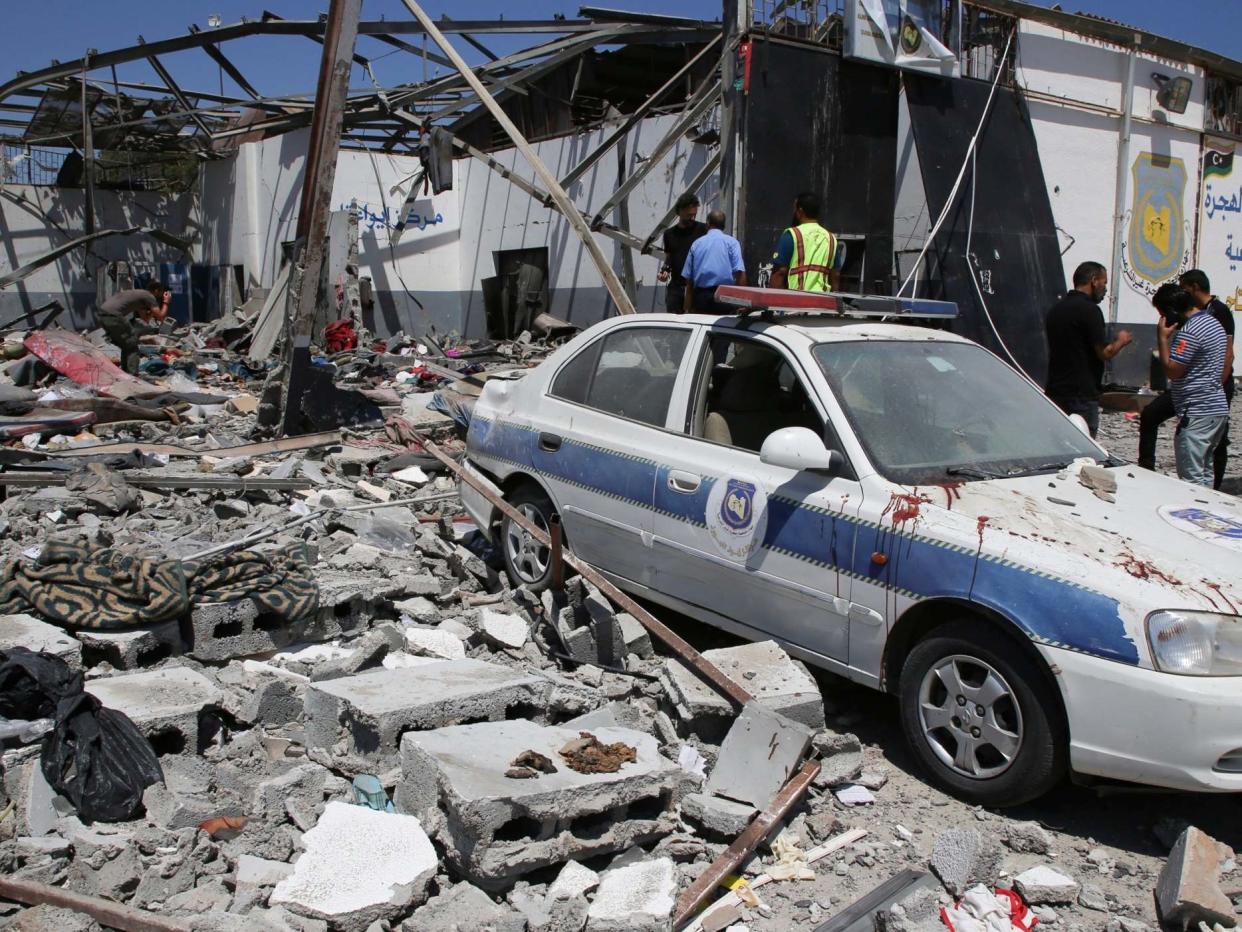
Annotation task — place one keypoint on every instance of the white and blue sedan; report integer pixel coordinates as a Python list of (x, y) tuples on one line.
[(897, 505)]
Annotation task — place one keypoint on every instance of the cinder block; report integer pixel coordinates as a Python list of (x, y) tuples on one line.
[(223, 630), (373, 709), (495, 828), (164, 704), (130, 650)]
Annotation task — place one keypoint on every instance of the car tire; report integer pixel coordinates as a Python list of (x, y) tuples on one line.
[(979, 717), (527, 562)]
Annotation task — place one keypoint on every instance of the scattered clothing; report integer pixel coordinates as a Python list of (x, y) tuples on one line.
[(339, 336)]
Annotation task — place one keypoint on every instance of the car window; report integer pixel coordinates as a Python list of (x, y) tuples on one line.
[(930, 410), (629, 372), (747, 390)]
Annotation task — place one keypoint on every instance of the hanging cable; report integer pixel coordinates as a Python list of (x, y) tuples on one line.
[(967, 160)]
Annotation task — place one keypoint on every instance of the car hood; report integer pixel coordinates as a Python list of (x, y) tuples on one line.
[(1160, 543)]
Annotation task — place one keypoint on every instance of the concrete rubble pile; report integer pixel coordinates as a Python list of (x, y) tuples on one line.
[(430, 749)]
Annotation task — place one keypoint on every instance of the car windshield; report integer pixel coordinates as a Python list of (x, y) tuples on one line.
[(926, 411)]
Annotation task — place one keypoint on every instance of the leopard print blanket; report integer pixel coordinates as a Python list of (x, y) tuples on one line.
[(103, 589)]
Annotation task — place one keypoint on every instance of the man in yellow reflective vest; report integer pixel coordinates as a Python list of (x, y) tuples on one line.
[(808, 257)]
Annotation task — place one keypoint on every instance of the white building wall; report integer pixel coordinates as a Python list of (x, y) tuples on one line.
[(1075, 89), (251, 205), (35, 219)]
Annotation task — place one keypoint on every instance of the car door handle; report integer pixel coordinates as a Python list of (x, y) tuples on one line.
[(549, 443), (684, 482)]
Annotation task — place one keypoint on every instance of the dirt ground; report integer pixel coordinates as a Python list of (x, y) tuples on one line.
[(1113, 840)]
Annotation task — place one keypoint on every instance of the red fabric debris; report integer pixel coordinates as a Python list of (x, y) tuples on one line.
[(339, 336), (77, 358)]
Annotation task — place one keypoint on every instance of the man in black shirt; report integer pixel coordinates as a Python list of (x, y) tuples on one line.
[(677, 241), (1078, 345)]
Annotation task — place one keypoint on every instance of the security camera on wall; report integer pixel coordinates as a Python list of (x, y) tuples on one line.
[(919, 35)]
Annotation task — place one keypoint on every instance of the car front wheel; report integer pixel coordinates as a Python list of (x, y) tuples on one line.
[(527, 562), (979, 717)]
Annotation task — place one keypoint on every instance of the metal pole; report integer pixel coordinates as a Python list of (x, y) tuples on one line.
[(622, 301), (556, 537), (113, 915), (623, 214), (745, 844), (1122, 188), (302, 301), (88, 155)]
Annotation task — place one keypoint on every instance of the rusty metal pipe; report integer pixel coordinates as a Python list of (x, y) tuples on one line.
[(744, 845), (112, 915), (556, 538), (678, 645)]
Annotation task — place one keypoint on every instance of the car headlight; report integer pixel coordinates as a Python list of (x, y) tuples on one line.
[(1196, 643)]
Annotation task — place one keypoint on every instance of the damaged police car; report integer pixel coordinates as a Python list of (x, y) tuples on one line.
[(894, 504)]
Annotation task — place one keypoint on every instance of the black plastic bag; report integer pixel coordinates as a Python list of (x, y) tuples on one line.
[(32, 685), (99, 760)]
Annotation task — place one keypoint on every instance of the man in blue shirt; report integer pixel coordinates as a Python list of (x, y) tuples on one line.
[(714, 259)]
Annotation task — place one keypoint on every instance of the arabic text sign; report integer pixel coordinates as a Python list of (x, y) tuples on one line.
[(419, 217), (1220, 220)]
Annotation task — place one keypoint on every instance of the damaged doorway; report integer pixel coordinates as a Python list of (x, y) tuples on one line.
[(518, 293)]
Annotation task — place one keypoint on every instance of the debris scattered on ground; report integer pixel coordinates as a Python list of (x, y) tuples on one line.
[(356, 720), (587, 754)]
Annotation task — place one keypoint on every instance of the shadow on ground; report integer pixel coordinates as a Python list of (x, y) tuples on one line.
[(1120, 815)]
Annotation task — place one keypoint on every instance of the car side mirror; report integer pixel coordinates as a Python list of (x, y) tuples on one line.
[(799, 448)]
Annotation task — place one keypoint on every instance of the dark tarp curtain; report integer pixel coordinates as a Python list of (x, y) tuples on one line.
[(1014, 239)]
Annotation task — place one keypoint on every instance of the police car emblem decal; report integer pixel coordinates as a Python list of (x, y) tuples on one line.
[(1212, 526), (736, 516), (738, 506)]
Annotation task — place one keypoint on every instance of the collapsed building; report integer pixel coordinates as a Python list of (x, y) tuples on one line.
[(247, 565)]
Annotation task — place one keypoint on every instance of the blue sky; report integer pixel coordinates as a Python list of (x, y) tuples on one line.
[(34, 33)]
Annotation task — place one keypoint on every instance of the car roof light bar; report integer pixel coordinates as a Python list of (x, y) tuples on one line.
[(771, 301)]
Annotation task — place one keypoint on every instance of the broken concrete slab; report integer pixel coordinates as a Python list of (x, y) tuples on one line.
[(260, 872), (1028, 837), (716, 814), (40, 637), (434, 642), (359, 866), (503, 630), (1042, 884), (758, 735), (371, 710), (496, 829), (573, 882), (165, 704), (637, 897), (464, 906), (1188, 891), (131, 650), (763, 669), (964, 856)]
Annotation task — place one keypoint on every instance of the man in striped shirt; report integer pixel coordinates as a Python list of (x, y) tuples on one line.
[(1194, 360)]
